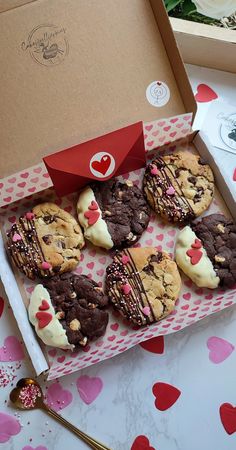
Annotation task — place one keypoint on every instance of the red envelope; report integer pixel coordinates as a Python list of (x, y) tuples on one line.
[(98, 159)]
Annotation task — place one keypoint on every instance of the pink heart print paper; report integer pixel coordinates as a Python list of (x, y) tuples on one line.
[(193, 304), (36, 178)]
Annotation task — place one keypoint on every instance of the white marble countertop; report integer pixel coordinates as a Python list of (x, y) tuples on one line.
[(113, 401)]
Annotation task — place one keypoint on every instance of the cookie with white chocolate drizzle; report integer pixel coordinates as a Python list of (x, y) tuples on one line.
[(143, 284), (45, 241), (179, 186), (68, 311)]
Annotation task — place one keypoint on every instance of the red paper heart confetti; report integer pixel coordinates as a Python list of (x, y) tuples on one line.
[(141, 443), (44, 305), (154, 345), (228, 417), (166, 395), (1, 306), (205, 94), (234, 174), (103, 165), (44, 318), (92, 216)]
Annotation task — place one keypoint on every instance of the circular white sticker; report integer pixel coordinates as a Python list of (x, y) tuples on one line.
[(158, 93), (102, 164), (228, 132)]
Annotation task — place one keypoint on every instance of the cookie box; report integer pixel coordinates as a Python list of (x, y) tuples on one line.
[(65, 90), (205, 45)]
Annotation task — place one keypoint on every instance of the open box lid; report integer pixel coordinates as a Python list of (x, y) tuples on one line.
[(73, 70)]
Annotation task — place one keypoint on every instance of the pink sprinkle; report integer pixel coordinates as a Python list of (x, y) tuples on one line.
[(46, 265), (28, 395), (125, 259), (29, 215), (126, 288), (154, 170), (170, 190), (146, 310), (16, 237)]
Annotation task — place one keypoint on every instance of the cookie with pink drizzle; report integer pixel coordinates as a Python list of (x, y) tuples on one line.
[(179, 186), (143, 284), (45, 241)]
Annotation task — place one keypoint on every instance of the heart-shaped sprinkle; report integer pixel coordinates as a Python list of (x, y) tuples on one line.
[(93, 205), (126, 288), (125, 259), (46, 265), (195, 255), (146, 310), (44, 305), (196, 244), (16, 237), (170, 191), (29, 216), (154, 170), (92, 216), (44, 318)]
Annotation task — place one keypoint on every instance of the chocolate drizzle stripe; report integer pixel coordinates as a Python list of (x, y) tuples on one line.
[(140, 286)]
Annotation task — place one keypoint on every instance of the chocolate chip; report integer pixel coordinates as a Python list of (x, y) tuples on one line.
[(49, 219), (192, 180), (47, 239), (202, 161)]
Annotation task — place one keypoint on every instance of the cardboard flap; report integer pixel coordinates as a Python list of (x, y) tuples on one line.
[(74, 70)]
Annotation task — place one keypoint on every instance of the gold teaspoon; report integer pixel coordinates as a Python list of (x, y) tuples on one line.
[(28, 395)]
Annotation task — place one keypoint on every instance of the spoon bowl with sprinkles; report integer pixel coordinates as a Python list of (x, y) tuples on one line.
[(28, 395)]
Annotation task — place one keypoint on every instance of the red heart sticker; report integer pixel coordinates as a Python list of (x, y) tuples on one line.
[(205, 94), (92, 216), (154, 345), (166, 395), (44, 305), (141, 443), (103, 165), (195, 255), (228, 417), (1, 306), (197, 244), (93, 205), (44, 319)]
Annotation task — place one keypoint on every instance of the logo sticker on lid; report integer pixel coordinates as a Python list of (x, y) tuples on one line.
[(158, 94)]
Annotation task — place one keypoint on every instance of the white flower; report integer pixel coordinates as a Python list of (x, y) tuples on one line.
[(216, 8)]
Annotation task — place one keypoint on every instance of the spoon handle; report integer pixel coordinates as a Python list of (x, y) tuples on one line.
[(95, 445)]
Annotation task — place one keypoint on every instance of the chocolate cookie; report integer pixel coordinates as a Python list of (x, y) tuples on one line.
[(143, 284), (67, 311), (45, 241), (179, 186), (113, 214), (206, 252)]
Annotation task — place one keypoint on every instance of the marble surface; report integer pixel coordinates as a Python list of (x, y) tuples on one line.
[(114, 401)]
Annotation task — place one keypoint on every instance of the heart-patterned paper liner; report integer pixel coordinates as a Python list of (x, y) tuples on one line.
[(35, 179), (193, 304)]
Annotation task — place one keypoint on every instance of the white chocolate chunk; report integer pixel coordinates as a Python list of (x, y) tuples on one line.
[(202, 273), (97, 233), (53, 334)]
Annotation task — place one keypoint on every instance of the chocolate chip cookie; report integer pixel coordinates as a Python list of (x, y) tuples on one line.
[(143, 284), (206, 252), (179, 186), (67, 311), (45, 241), (113, 214)]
